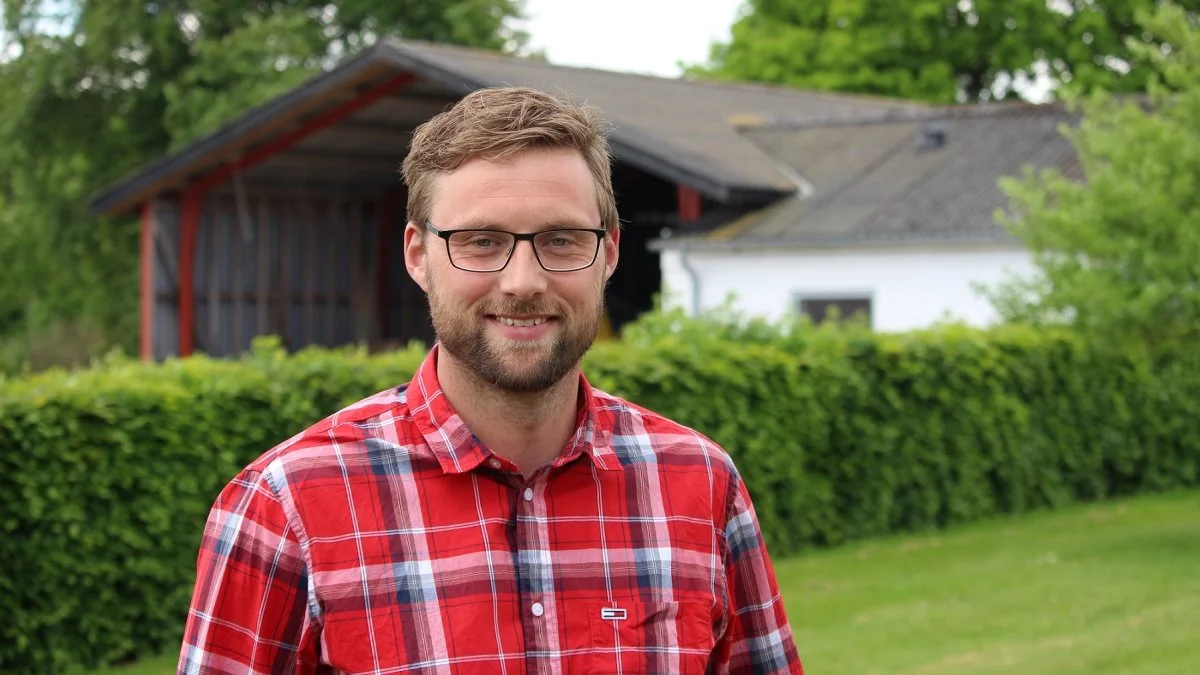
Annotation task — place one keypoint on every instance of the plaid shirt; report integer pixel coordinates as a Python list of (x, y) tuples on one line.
[(387, 539)]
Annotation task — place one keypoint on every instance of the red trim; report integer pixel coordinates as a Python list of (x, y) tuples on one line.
[(147, 291), (282, 143), (688, 200), (189, 223)]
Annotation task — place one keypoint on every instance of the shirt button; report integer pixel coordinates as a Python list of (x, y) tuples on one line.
[(537, 609), (529, 497), (495, 463)]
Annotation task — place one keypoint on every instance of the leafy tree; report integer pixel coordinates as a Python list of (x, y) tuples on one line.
[(1118, 254), (91, 89), (936, 50)]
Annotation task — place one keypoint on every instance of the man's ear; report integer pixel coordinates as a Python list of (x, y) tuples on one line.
[(416, 257), (612, 247)]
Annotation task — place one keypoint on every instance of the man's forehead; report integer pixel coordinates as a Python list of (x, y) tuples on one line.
[(486, 190)]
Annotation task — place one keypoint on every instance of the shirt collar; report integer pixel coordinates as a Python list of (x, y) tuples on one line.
[(457, 448)]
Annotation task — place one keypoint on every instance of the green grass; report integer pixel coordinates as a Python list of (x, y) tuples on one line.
[(164, 665), (1104, 589)]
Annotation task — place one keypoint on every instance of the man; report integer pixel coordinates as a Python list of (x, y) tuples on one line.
[(496, 514)]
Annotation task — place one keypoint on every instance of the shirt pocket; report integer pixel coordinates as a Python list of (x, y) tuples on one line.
[(647, 637)]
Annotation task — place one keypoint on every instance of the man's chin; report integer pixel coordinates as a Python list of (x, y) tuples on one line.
[(525, 368), (521, 359)]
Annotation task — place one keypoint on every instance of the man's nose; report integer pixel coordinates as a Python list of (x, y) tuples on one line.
[(523, 276)]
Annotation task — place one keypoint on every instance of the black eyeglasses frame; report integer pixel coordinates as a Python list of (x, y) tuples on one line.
[(517, 239)]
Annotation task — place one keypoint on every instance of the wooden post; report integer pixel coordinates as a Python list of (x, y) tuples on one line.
[(264, 264), (310, 278), (357, 306), (287, 249), (328, 233), (237, 284), (191, 208), (146, 346), (388, 207), (212, 300)]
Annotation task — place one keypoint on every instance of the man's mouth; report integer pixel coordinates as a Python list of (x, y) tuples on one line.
[(524, 323)]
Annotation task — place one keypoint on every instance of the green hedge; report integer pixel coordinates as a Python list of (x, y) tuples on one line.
[(106, 475), (847, 434)]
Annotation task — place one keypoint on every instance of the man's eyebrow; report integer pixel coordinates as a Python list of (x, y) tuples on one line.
[(476, 224)]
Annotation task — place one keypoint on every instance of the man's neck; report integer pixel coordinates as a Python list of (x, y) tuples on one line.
[(529, 430)]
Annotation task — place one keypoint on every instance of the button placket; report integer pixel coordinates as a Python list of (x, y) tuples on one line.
[(537, 582)]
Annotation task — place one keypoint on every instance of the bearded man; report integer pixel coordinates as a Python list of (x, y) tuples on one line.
[(496, 514)]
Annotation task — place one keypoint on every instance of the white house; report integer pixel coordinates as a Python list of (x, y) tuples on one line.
[(898, 288), (893, 217)]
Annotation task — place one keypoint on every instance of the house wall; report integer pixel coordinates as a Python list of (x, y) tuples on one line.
[(909, 288)]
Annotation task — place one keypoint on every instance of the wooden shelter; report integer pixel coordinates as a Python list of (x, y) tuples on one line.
[(288, 221)]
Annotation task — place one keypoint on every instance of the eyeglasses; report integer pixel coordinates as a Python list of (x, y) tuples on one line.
[(562, 250)]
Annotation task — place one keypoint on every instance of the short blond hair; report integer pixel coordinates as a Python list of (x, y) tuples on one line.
[(498, 123)]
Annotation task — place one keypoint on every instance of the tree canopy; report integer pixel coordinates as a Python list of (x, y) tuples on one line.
[(91, 89), (938, 50), (1118, 254)]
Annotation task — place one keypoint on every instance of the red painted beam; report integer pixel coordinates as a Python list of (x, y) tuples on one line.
[(688, 201), (278, 145), (147, 290), (189, 224)]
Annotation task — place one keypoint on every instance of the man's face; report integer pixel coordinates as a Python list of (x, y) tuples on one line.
[(474, 312)]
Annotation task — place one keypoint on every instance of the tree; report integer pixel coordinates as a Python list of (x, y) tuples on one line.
[(91, 89), (1118, 254), (935, 50)]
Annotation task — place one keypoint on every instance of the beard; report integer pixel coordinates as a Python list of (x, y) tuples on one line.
[(508, 365)]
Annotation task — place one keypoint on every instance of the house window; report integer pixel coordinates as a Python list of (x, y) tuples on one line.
[(848, 307)]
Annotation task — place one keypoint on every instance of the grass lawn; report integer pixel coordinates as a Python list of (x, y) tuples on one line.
[(160, 666), (1104, 589)]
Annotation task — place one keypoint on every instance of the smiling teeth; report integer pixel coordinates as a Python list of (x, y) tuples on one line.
[(520, 322)]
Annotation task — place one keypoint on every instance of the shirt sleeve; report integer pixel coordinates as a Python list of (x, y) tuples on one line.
[(758, 638), (249, 609)]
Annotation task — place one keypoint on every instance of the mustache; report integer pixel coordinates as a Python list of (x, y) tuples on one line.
[(509, 307)]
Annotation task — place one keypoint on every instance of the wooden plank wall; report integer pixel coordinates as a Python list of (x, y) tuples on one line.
[(304, 267)]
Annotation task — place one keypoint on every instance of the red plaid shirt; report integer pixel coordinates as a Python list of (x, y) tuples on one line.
[(387, 539)]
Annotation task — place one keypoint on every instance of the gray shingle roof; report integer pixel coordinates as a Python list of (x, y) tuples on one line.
[(873, 181), (689, 123), (684, 131)]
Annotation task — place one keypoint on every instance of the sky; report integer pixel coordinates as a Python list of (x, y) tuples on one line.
[(644, 36)]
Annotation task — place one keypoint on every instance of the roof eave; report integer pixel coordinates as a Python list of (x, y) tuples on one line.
[(701, 244), (168, 170), (126, 194)]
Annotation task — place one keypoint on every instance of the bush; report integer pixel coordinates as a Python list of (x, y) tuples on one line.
[(106, 475), (844, 434)]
